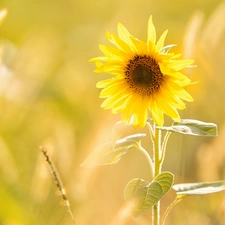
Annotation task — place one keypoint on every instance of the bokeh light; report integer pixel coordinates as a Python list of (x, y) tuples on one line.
[(48, 98)]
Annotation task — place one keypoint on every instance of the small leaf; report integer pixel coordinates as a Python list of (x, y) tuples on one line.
[(120, 130), (193, 127), (146, 194), (111, 153), (184, 190)]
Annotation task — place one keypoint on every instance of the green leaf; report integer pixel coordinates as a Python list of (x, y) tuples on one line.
[(202, 188), (193, 127), (146, 194), (110, 153), (121, 130)]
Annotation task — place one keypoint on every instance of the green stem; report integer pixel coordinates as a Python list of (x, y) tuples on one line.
[(158, 157), (151, 131), (157, 171), (164, 144), (157, 151), (148, 158), (168, 210)]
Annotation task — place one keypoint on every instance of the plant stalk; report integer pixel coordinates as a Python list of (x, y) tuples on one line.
[(157, 171), (149, 159), (169, 209)]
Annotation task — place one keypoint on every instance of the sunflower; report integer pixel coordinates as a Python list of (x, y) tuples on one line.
[(147, 78)]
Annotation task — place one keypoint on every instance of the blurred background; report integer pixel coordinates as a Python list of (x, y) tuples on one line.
[(48, 97)]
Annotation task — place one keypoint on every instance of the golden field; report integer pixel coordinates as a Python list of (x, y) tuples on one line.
[(48, 98)]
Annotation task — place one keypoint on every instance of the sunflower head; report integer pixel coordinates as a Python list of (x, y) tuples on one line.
[(146, 77)]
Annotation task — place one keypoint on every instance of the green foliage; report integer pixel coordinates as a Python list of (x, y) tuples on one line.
[(184, 190), (120, 130), (193, 127), (111, 153), (146, 194)]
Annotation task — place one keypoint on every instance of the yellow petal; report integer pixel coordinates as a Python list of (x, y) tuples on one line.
[(120, 44), (167, 108), (112, 52), (157, 114), (116, 100), (98, 64), (142, 112), (109, 67), (180, 64), (140, 46), (105, 83), (151, 38), (124, 34), (161, 40), (180, 92), (171, 98), (129, 108), (115, 87)]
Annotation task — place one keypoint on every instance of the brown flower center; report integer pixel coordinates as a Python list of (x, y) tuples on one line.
[(143, 75)]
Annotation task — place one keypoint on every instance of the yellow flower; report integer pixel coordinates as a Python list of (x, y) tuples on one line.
[(147, 78)]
